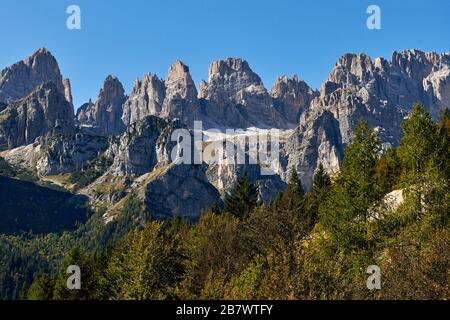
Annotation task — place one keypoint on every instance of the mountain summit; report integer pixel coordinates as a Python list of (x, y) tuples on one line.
[(120, 136)]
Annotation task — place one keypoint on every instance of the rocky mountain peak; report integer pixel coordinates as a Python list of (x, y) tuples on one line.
[(20, 79), (104, 117), (43, 112), (415, 63), (229, 76), (177, 70), (292, 97), (146, 99), (149, 81), (352, 69), (39, 52), (179, 82), (235, 96), (112, 90), (181, 94), (226, 78), (231, 65), (68, 90)]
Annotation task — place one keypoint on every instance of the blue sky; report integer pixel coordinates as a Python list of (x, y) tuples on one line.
[(133, 37)]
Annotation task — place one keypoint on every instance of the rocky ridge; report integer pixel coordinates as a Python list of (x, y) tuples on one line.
[(134, 133)]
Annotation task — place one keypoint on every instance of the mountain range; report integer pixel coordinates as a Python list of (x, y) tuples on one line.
[(119, 144)]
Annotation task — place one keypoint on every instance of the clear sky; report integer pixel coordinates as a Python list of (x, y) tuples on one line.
[(133, 37)]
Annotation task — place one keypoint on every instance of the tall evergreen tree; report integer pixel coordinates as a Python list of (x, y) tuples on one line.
[(320, 188), (347, 208), (294, 187), (417, 148), (41, 289), (321, 180), (243, 198), (293, 197), (443, 145), (388, 170), (92, 267)]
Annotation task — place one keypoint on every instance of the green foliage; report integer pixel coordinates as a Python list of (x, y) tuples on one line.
[(145, 265), (316, 245), (418, 140), (27, 207), (92, 269), (213, 249), (294, 188), (320, 189), (247, 285), (41, 289), (90, 171), (346, 211), (242, 199), (417, 150), (25, 257), (321, 180), (5, 169), (388, 170)]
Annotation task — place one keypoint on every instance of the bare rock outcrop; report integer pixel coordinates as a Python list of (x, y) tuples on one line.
[(235, 97), (376, 91), (179, 191), (181, 95), (22, 78), (43, 112), (292, 97), (142, 146), (146, 99), (105, 116)]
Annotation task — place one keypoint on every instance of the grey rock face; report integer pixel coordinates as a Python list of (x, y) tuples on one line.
[(68, 153), (316, 140), (223, 177), (377, 91), (104, 117), (146, 99), (85, 114), (144, 144), (180, 191), (68, 90), (44, 112), (181, 95), (235, 97), (22, 78), (292, 97), (226, 78), (173, 98), (411, 77)]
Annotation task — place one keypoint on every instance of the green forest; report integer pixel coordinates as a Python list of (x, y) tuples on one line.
[(314, 245)]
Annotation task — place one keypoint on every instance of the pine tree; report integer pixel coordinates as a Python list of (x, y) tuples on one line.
[(41, 289), (346, 210), (321, 186), (321, 180), (242, 199), (92, 267), (417, 148), (294, 187), (215, 208), (388, 170), (443, 135), (292, 199)]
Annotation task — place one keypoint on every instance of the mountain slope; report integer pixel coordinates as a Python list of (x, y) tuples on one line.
[(27, 207)]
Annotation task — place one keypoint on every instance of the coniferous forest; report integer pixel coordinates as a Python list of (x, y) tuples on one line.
[(302, 245)]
